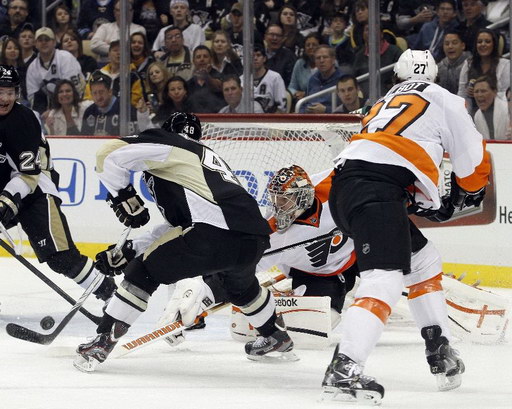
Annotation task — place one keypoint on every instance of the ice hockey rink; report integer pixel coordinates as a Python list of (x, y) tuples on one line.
[(210, 370)]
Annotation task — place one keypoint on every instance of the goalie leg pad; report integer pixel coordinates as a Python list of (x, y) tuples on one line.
[(477, 315)]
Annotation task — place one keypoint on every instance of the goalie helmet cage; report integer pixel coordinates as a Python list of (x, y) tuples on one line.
[(255, 146)]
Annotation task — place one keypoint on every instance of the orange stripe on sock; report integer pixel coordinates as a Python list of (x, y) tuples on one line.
[(376, 307), (429, 286)]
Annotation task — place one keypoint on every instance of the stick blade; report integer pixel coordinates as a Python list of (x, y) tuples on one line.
[(25, 334)]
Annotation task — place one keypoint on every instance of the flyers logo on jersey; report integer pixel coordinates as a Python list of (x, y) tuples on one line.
[(319, 251)]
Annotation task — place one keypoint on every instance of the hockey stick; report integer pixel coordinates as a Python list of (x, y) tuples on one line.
[(175, 327), (46, 280), (303, 243), (25, 334)]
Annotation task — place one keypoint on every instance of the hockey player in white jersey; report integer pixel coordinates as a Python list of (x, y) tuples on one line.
[(395, 157)]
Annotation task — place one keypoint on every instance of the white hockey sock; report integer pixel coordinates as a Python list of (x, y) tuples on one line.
[(128, 303), (430, 309), (89, 277), (358, 341)]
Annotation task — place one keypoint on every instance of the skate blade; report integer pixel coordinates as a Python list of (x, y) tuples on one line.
[(447, 383), (84, 364), (289, 356), (332, 393), (175, 340)]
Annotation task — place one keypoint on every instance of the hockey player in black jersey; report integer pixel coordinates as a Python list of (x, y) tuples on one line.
[(29, 190), (217, 228)]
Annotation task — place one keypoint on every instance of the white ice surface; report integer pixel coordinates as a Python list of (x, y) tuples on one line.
[(210, 370)]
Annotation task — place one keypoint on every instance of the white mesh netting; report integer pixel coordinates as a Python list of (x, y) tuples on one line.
[(255, 150)]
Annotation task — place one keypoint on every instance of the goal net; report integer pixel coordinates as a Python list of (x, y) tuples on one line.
[(255, 146)]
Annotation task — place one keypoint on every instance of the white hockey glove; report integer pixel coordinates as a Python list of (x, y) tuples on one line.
[(191, 297)]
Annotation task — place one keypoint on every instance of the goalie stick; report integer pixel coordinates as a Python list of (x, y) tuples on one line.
[(39, 274), (26, 334), (175, 327)]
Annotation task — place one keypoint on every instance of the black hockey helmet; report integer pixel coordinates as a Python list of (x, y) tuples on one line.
[(9, 77), (182, 122)]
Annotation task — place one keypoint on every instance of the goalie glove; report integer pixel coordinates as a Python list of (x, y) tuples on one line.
[(112, 264), (9, 205), (191, 297), (129, 207), (461, 199)]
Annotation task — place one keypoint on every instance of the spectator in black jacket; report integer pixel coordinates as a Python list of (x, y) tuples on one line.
[(474, 20), (279, 58), (17, 11), (92, 14)]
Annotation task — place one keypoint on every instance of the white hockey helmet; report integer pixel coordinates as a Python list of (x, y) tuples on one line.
[(291, 192), (416, 65)]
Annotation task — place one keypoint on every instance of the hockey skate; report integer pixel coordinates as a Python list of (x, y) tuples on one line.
[(344, 381), (444, 360), (96, 351), (275, 347)]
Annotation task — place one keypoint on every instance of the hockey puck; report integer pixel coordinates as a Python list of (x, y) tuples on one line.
[(47, 322)]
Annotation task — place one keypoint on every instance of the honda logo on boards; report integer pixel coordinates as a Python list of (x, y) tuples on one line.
[(72, 180)]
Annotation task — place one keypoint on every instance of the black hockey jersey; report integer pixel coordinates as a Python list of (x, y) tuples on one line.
[(189, 182), (25, 160)]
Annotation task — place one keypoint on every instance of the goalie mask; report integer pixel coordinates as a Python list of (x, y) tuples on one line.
[(290, 192), (416, 65), (182, 122)]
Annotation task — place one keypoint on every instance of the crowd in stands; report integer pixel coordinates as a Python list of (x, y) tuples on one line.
[(187, 55)]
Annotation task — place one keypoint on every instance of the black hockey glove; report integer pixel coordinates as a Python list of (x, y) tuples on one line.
[(461, 198), (112, 264), (444, 213), (129, 207), (9, 206)]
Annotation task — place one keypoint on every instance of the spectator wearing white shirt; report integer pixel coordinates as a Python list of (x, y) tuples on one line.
[(193, 34), (492, 117), (108, 32), (50, 66)]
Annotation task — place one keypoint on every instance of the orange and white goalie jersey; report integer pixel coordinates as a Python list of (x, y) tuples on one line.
[(324, 249), (412, 126)]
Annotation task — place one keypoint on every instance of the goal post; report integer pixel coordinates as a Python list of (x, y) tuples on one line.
[(255, 146)]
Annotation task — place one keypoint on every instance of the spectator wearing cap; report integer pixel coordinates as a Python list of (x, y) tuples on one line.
[(178, 59), (51, 66), (102, 117), (326, 76), (112, 70), (279, 58), (17, 12), (236, 30), (94, 13), (108, 32), (233, 91), (27, 41), (193, 34), (431, 33)]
